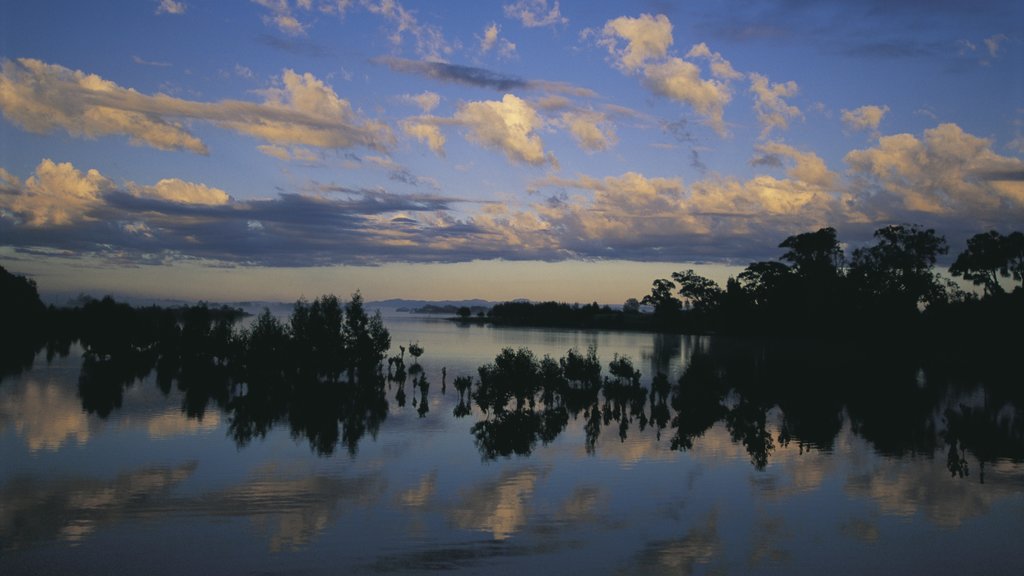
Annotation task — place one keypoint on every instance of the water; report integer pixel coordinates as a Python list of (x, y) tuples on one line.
[(778, 484)]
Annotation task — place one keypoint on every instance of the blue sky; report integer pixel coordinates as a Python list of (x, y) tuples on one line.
[(529, 148)]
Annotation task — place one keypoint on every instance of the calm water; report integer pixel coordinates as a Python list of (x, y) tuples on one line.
[(158, 481)]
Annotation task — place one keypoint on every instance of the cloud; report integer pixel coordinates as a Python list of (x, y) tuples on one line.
[(772, 110), (535, 13), (430, 42), (993, 44), (301, 110), (490, 38), (282, 17), (807, 167), (182, 192), (42, 97), (590, 129), (720, 67), (56, 195), (479, 77), (426, 100), (947, 174), (680, 80), (647, 38), (170, 7), (508, 125), (425, 130), (865, 118)]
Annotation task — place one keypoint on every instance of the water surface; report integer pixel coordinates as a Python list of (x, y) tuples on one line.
[(914, 470)]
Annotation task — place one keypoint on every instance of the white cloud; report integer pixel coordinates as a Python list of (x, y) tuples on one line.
[(430, 42), (772, 110), (647, 38), (170, 7), (680, 80), (426, 130), (720, 67), (508, 125), (42, 97), (282, 17), (181, 192), (535, 13), (56, 195), (947, 173), (592, 130), (490, 38), (426, 100), (807, 167), (865, 118), (302, 110)]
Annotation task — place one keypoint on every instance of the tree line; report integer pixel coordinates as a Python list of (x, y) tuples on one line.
[(814, 288)]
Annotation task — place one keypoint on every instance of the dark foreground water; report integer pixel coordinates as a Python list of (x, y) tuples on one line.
[(752, 464)]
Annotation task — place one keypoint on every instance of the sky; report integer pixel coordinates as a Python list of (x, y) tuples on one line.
[(572, 150)]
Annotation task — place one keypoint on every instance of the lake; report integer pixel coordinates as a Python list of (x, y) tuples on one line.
[(757, 460)]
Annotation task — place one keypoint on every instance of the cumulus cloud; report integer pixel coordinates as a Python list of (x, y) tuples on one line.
[(426, 130), (170, 7), (640, 46), (56, 195), (301, 110), (720, 67), (772, 110), (680, 80), (490, 39), (865, 118), (947, 173), (591, 130), (806, 167), (508, 125), (535, 13), (646, 38), (992, 43)]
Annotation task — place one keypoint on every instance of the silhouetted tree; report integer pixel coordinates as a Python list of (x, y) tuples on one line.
[(631, 306), (703, 293), (662, 298), (896, 273), (366, 339), (814, 254), (981, 262)]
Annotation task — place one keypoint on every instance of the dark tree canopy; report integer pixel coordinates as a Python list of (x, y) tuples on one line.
[(981, 262), (814, 254)]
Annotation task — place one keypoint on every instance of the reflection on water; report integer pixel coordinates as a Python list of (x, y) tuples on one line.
[(681, 454)]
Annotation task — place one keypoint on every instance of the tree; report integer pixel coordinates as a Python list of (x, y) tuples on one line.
[(366, 339), (765, 282), (464, 312), (986, 255), (703, 293), (631, 306), (1014, 257), (814, 254), (897, 271), (662, 298)]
